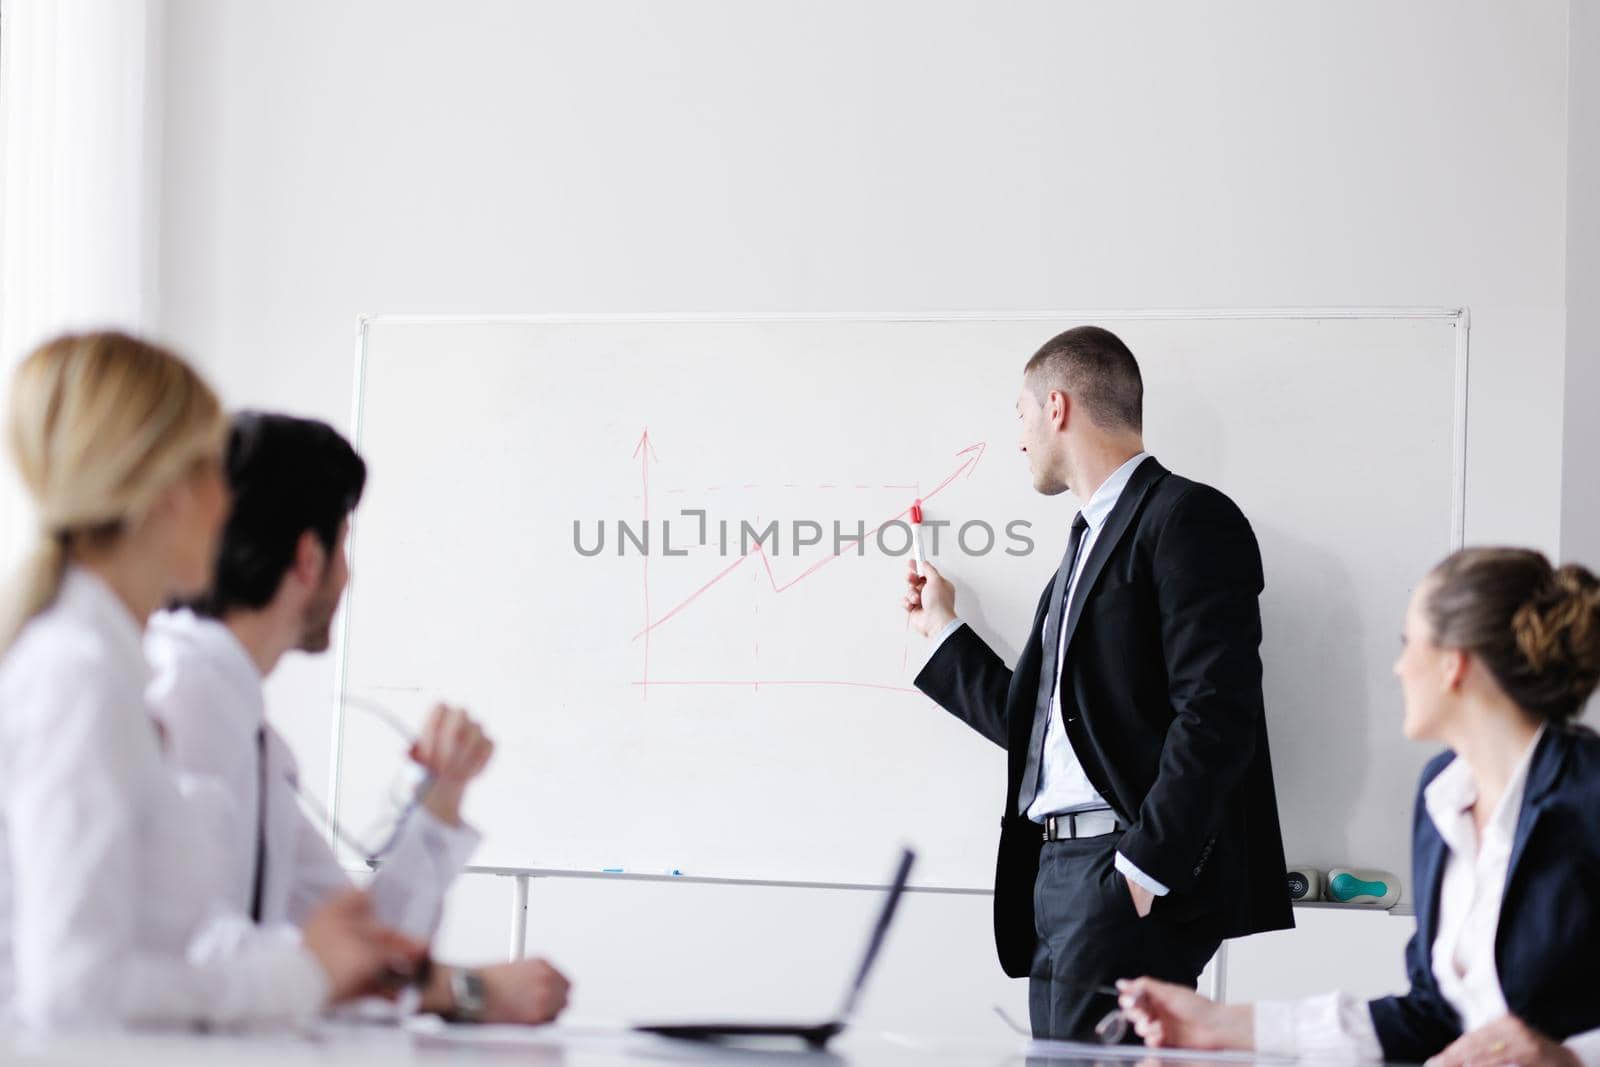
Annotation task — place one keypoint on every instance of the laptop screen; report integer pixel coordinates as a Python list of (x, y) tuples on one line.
[(879, 931)]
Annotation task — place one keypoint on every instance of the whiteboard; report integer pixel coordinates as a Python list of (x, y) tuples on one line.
[(737, 709)]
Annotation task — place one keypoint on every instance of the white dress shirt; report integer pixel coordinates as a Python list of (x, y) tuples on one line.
[(1462, 957), (109, 879), (207, 694), (1063, 786), (1586, 1047)]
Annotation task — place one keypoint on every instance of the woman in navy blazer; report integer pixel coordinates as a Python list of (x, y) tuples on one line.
[(1501, 652)]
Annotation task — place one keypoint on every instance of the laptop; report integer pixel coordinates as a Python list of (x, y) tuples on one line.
[(817, 1035)]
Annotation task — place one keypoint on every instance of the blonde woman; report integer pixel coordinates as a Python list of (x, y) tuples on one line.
[(107, 886), (1500, 653)]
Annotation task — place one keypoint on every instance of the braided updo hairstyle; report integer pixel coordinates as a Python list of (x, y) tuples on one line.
[(1536, 627)]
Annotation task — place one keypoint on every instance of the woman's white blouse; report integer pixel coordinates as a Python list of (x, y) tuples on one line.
[(1463, 961), (109, 878)]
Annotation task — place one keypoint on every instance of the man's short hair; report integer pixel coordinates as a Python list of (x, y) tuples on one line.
[(1096, 368), (287, 476)]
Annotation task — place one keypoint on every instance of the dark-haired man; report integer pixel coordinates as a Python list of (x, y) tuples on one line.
[(279, 578), (1140, 827)]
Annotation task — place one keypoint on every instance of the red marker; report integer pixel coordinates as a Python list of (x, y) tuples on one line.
[(916, 533)]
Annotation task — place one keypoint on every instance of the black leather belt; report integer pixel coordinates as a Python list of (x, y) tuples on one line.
[(1096, 822)]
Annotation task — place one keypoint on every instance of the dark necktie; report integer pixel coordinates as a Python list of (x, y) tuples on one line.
[(261, 824), (1047, 673)]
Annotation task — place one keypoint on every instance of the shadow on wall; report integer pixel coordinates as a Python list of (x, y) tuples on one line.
[(1318, 698), (1002, 639)]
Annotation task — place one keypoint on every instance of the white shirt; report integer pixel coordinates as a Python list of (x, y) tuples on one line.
[(109, 879), (1063, 786), (207, 693), (1470, 894), (1473, 886)]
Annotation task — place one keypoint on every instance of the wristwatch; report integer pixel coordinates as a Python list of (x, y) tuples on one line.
[(468, 991)]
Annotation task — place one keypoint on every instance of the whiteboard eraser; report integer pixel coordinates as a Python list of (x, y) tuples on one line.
[(1363, 888), (1305, 883)]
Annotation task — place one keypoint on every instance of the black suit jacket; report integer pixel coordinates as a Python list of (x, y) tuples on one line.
[(1548, 935), (1162, 690)]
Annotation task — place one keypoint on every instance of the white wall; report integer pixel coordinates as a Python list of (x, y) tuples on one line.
[(1580, 504), (325, 160), (1580, 516)]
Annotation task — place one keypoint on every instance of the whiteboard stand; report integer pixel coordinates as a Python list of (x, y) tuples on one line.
[(519, 917), (521, 877), (1213, 985)]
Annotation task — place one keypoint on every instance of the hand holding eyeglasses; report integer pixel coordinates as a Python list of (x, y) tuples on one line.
[(1110, 1030), (453, 749), (1175, 1016)]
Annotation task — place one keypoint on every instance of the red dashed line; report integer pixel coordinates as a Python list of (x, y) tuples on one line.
[(771, 681), (809, 571)]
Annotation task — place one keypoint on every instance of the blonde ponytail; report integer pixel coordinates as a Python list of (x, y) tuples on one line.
[(33, 585), (100, 424)]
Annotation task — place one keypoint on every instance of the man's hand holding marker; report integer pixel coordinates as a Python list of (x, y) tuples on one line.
[(930, 598)]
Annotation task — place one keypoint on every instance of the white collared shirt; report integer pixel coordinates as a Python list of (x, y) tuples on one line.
[(110, 883), (207, 694), (1063, 786), (1473, 886), (1462, 959)]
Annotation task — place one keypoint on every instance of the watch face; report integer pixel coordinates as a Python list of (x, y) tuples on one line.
[(469, 992)]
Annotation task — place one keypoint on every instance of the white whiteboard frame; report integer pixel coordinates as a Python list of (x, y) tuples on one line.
[(1459, 317)]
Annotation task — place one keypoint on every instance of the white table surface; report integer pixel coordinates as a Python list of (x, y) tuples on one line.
[(566, 1045)]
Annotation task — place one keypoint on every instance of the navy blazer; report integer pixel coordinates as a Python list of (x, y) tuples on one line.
[(1547, 943)]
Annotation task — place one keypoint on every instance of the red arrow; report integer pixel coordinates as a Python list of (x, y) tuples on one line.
[(966, 466), (980, 446), (644, 443)]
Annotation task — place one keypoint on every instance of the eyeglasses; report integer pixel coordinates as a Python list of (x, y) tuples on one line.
[(1110, 1030), (407, 788)]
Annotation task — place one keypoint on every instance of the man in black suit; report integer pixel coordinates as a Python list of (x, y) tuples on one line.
[(1140, 827)]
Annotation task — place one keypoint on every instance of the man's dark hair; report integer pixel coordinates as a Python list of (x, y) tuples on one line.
[(1093, 365), (287, 476)]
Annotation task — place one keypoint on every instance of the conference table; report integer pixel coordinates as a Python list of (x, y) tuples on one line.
[(427, 1041)]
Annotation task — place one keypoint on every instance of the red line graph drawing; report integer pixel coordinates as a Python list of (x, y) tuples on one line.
[(965, 467), (786, 485), (905, 646), (755, 607), (972, 453), (644, 452), (771, 681)]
